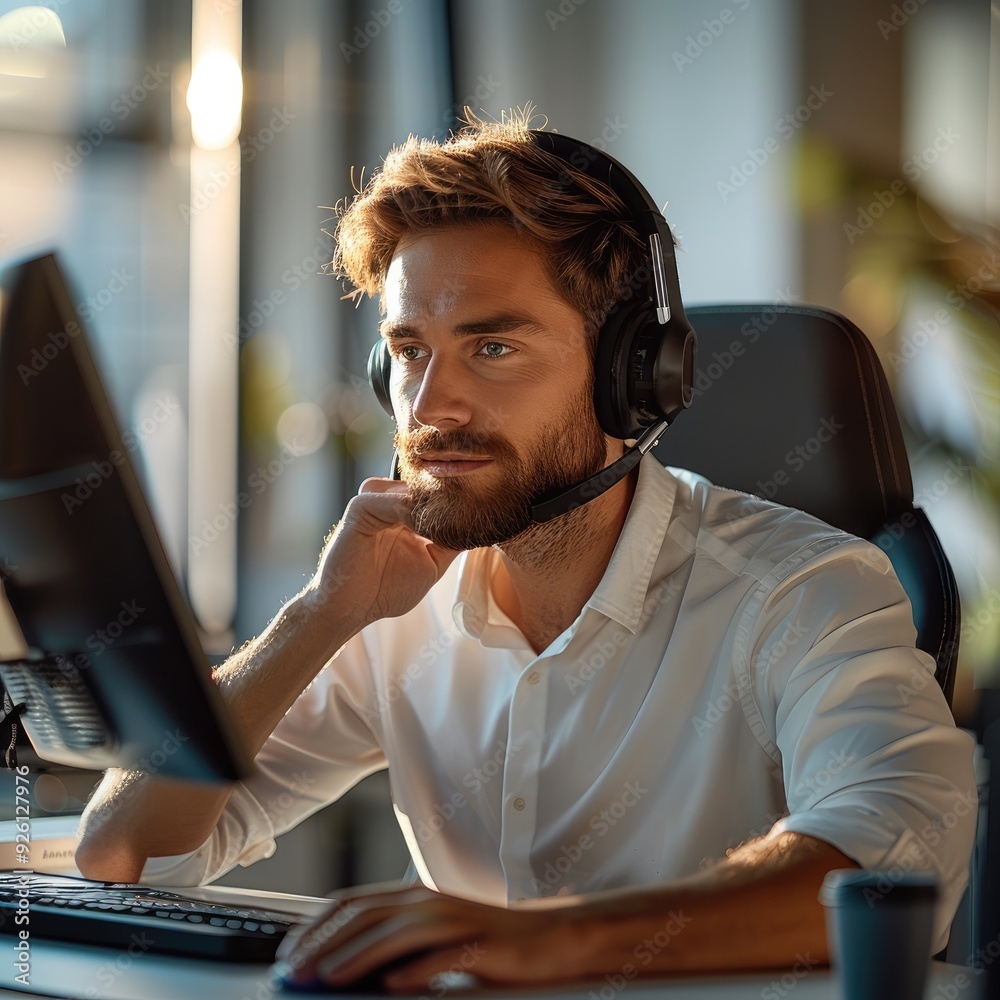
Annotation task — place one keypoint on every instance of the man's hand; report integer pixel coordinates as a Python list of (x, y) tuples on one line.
[(420, 934), (375, 565)]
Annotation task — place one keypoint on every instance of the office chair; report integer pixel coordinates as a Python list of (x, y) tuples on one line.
[(791, 405)]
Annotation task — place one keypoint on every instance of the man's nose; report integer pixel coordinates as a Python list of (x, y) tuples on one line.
[(443, 397)]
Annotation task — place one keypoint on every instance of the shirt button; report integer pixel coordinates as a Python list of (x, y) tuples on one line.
[(518, 803), (533, 677)]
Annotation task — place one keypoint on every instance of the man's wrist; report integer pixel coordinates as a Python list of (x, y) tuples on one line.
[(317, 609)]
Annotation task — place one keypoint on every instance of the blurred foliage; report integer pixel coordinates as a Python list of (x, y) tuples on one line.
[(924, 285)]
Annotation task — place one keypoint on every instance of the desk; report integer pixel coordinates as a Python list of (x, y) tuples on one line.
[(81, 972)]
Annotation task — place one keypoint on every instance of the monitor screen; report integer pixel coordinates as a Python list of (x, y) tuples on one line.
[(114, 673)]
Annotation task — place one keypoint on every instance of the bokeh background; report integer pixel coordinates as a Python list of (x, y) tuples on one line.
[(185, 160)]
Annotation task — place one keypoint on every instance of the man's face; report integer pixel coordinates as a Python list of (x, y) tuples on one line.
[(491, 383)]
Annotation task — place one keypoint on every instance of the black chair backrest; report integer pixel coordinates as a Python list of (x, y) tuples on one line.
[(791, 405)]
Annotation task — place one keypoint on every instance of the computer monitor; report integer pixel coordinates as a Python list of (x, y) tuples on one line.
[(115, 674)]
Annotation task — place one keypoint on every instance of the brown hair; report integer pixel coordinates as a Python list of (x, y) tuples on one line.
[(493, 171)]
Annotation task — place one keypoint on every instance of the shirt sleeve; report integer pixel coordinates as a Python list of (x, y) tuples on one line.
[(323, 746), (837, 693)]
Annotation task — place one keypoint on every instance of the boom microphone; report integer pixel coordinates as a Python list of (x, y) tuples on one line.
[(547, 508)]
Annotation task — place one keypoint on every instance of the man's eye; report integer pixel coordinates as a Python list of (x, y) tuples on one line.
[(410, 352), (494, 350)]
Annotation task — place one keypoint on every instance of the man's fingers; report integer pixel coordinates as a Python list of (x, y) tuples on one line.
[(377, 484), (379, 507), (345, 906), (415, 976), (360, 934), (442, 557), (397, 942)]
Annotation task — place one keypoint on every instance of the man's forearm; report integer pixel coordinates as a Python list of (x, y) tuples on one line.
[(261, 681), (134, 816), (756, 909)]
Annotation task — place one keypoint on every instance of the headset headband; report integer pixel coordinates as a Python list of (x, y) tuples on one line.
[(599, 166)]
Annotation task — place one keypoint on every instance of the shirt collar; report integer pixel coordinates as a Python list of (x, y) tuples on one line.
[(475, 613), (622, 591)]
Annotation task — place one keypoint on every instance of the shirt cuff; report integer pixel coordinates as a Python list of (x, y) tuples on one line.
[(243, 835)]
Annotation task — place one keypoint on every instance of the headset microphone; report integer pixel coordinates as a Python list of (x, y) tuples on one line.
[(644, 361), (593, 486)]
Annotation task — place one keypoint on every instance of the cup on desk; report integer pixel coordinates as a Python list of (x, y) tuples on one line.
[(879, 926)]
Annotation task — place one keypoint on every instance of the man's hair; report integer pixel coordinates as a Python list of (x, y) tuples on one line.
[(494, 172)]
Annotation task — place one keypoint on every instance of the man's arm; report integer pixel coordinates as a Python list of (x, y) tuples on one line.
[(373, 566), (757, 909), (134, 816)]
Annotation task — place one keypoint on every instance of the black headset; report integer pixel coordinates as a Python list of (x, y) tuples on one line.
[(644, 363)]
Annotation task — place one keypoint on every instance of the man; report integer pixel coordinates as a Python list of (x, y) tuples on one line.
[(628, 741)]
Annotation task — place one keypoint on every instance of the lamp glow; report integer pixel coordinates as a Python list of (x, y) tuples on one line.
[(27, 36), (215, 100)]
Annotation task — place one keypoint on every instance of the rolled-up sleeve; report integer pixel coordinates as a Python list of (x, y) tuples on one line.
[(323, 746), (871, 758)]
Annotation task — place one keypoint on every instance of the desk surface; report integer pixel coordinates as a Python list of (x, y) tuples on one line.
[(81, 972)]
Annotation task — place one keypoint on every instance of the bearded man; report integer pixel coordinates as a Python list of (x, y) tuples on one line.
[(534, 687)]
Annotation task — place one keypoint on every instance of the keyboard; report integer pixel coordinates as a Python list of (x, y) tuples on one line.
[(135, 917)]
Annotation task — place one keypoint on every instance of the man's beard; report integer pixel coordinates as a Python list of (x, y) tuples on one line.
[(459, 513)]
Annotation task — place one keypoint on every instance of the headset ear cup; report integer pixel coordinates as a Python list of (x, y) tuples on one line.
[(643, 371), (379, 370), (610, 391), (675, 372)]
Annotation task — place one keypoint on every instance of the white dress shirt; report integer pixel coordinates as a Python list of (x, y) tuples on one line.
[(741, 668)]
